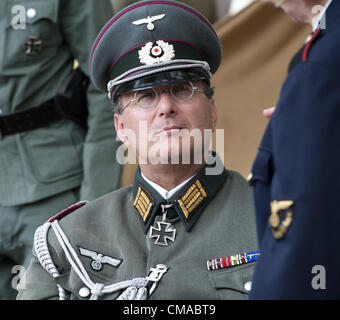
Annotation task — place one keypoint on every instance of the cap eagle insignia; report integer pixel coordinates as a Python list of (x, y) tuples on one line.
[(149, 21)]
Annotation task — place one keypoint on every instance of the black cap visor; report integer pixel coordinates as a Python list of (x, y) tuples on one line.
[(161, 79)]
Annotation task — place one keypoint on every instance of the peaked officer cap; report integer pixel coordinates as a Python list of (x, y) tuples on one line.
[(152, 43)]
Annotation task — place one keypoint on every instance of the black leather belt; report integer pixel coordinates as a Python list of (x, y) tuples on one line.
[(69, 103), (29, 119)]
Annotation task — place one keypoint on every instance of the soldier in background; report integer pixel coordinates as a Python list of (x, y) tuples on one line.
[(54, 150)]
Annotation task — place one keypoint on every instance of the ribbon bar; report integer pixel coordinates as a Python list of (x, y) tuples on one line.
[(231, 261)]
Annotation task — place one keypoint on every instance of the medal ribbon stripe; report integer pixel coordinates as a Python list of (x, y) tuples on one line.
[(226, 262)]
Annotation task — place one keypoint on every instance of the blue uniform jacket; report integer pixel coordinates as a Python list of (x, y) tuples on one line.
[(298, 160)]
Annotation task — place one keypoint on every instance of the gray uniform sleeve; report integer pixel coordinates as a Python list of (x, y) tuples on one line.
[(81, 21), (37, 283)]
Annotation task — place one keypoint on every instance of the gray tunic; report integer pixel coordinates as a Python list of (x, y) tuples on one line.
[(112, 226)]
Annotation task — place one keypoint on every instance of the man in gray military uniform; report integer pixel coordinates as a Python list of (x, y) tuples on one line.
[(52, 153), (185, 229)]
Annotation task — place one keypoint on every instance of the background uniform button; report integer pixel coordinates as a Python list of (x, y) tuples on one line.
[(247, 285), (84, 292), (31, 13)]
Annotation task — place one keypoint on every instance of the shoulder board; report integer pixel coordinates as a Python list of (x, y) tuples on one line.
[(68, 210)]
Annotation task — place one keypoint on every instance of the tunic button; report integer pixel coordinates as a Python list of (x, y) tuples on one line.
[(31, 13), (247, 285), (84, 292)]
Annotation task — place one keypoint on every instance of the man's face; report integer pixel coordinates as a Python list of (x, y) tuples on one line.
[(163, 133)]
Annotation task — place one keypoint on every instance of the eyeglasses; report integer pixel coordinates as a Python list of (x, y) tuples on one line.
[(147, 99)]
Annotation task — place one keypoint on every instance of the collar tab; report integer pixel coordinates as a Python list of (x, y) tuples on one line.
[(188, 202)]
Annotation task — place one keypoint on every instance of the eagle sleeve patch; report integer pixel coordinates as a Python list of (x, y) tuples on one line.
[(99, 259)]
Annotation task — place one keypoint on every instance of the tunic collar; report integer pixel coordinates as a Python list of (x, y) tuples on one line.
[(163, 192), (189, 201)]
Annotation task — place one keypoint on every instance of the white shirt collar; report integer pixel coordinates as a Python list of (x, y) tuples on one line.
[(322, 13), (165, 193)]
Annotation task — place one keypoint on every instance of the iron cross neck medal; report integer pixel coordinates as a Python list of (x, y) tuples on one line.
[(164, 231)]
